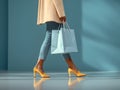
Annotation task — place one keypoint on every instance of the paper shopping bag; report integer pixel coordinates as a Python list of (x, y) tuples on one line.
[(63, 41)]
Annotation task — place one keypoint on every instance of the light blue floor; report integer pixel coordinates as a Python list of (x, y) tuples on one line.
[(60, 81)]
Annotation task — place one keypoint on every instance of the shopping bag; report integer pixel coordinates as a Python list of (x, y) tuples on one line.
[(63, 41)]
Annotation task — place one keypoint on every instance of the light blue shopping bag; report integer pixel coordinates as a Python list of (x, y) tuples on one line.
[(63, 41)]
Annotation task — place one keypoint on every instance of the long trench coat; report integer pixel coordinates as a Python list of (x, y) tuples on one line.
[(50, 10)]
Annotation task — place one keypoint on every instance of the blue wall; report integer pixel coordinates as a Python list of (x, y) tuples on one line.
[(101, 33), (96, 24), (3, 34)]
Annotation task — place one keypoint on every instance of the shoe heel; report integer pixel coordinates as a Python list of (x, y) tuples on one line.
[(34, 74), (69, 72)]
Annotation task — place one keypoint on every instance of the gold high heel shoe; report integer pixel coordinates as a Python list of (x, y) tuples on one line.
[(77, 73), (43, 75)]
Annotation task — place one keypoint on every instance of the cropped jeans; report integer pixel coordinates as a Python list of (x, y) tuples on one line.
[(46, 45)]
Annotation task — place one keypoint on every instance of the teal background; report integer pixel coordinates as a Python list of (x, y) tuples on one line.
[(101, 33), (96, 24), (3, 34)]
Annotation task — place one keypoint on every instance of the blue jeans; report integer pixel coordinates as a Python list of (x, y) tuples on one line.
[(47, 41)]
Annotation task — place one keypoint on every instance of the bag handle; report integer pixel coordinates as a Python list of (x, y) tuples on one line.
[(59, 27), (65, 25)]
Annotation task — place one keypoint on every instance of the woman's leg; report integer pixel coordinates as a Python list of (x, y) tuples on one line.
[(71, 66), (69, 61), (46, 44), (44, 50)]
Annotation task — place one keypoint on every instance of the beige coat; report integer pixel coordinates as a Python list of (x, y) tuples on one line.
[(50, 10)]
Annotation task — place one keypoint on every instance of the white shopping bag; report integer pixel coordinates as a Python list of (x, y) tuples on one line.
[(63, 41)]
